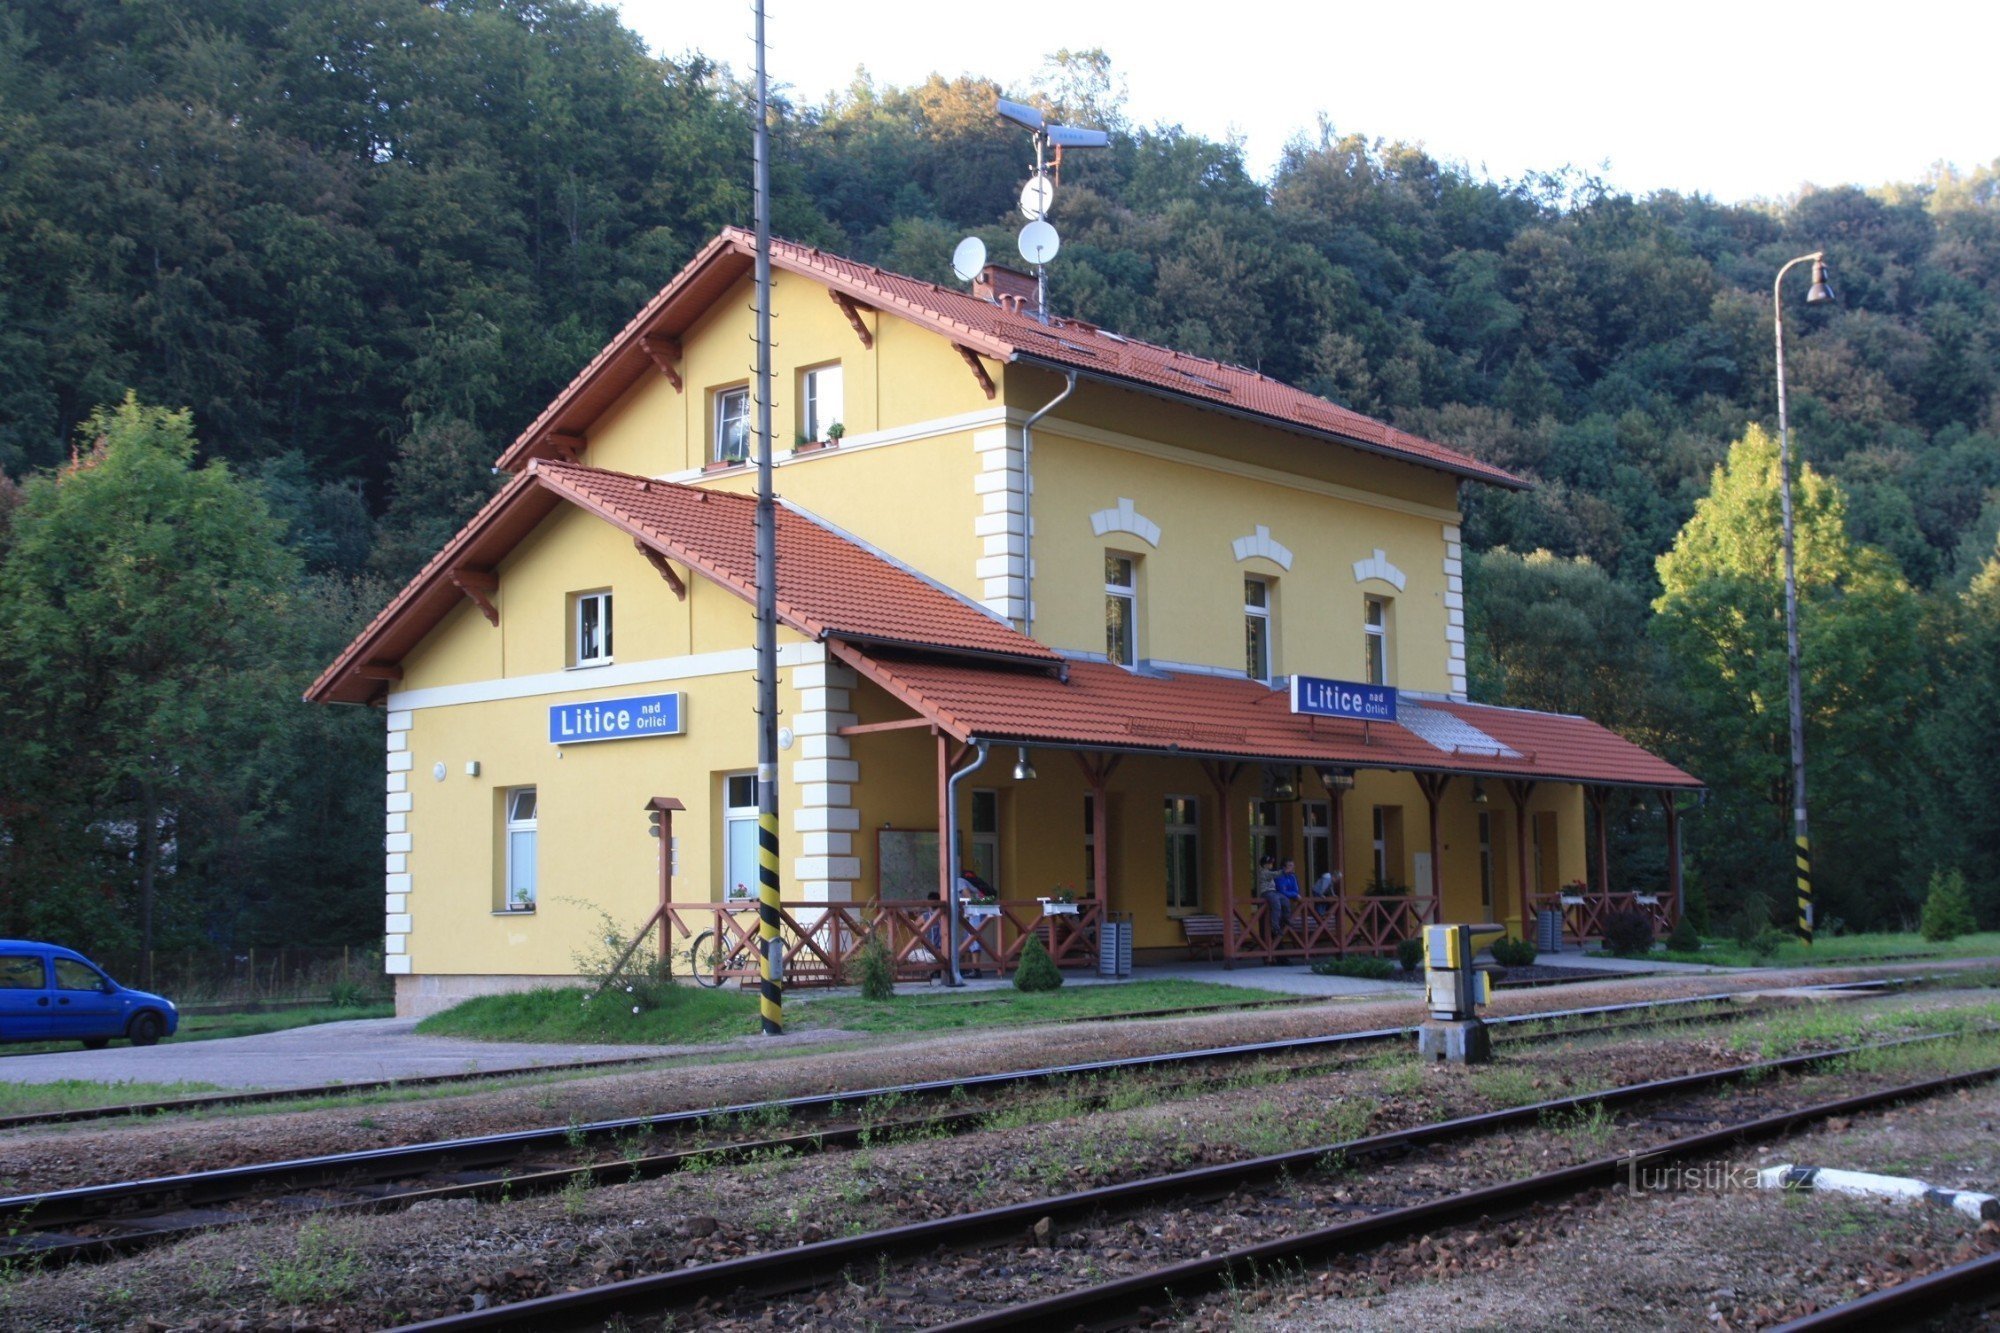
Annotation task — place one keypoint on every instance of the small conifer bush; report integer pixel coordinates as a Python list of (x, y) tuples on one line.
[(1685, 938), (1037, 971), (1410, 953), (1628, 934), (1514, 953), (1947, 908), (1361, 965)]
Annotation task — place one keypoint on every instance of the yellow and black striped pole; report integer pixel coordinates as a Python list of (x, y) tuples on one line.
[(1802, 850), (771, 948), (771, 956)]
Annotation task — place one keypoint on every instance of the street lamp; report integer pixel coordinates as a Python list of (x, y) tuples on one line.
[(1802, 845)]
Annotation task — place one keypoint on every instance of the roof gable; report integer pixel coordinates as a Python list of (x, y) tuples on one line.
[(828, 584), (996, 332)]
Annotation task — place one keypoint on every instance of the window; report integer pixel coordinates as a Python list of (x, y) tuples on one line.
[(1121, 609), (821, 402), (739, 836), (22, 971), (1376, 646), (984, 848), (521, 822), (1318, 819), (1486, 861), (732, 425), (72, 975), (1183, 822), (1257, 628), (1264, 833), (590, 641), (1387, 843)]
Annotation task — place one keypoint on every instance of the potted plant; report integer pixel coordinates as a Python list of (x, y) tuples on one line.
[(520, 900), (1060, 902), (835, 432)]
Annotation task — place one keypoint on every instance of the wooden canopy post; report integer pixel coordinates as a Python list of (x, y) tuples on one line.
[(1434, 785), (1596, 797), (944, 764), (1669, 802), (1522, 790), (1222, 777), (1097, 772)]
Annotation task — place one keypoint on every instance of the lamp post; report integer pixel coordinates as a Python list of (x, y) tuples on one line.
[(1802, 845)]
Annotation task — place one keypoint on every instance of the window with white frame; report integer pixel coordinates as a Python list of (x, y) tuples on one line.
[(821, 402), (1375, 646), (522, 821), (739, 836), (731, 443), (1257, 628), (1387, 839), (1485, 860), (984, 846), (1183, 829), (590, 629), (1121, 609), (1264, 833), (1317, 817)]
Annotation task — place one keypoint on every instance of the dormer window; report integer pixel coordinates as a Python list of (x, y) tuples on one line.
[(731, 442), (590, 622), (821, 403)]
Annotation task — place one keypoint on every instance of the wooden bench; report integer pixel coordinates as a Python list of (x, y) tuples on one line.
[(1202, 932)]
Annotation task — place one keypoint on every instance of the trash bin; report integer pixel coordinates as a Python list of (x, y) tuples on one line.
[(1114, 945), (1549, 930)]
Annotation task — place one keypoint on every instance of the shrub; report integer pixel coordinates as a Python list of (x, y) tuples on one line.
[(1036, 971), (1947, 908), (348, 995), (1362, 965), (1685, 938), (1752, 919), (1766, 943), (1410, 953), (874, 969), (1628, 933), (1514, 953)]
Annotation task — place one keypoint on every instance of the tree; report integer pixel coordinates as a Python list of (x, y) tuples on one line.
[(143, 601), (1721, 620)]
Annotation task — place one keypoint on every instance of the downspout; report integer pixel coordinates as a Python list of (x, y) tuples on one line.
[(1028, 504), (955, 938)]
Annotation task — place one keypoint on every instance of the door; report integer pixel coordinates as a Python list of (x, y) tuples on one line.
[(24, 997), (85, 1006)]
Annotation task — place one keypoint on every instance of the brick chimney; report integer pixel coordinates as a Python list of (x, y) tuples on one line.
[(1005, 287)]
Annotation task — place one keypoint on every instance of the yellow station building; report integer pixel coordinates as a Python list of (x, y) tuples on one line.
[(1044, 583)]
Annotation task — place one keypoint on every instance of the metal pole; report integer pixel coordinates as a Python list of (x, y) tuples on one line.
[(771, 979), (955, 927), (1802, 844)]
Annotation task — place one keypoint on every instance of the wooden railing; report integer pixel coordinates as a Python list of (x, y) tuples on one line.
[(1584, 915), (1322, 927), (821, 939)]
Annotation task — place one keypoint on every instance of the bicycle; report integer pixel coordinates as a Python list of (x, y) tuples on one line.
[(712, 958)]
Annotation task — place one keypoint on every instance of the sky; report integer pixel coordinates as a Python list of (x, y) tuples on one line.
[(1743, 100)]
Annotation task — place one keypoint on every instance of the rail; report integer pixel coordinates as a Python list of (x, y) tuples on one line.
[(1584, 915), (1322, 927)]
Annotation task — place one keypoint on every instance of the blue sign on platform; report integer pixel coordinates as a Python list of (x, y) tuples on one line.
[(615, 719), (1343, 698)]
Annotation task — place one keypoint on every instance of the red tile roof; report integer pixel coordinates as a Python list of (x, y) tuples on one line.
[(828, 584), (1109, 707), (991, 330)]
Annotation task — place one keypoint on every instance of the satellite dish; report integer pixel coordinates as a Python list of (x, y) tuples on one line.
[(1039, 242), (1021, 114), (969, 258), (1036, 196)]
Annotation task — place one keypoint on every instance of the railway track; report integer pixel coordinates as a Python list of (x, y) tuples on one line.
[(279, 1096), (103, 1221), (1146, 1295)]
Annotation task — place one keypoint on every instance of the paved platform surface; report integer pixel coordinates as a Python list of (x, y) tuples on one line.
[(360, 1051)]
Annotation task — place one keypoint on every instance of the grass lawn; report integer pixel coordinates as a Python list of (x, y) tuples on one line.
[(71, 1094), (208, 1027), (1842, 950), (694, 1015)]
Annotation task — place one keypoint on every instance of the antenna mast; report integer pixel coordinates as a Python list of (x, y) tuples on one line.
[(771, 971)]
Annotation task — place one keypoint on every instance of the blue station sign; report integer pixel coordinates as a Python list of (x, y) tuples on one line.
[(615, 719), (1343, 698)]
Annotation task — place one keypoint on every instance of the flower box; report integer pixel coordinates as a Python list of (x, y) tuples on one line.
[(1050, 907)]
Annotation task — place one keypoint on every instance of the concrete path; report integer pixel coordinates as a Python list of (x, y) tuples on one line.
[(359, 1051)]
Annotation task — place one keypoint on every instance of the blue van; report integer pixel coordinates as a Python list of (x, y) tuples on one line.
[(49, 993)]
